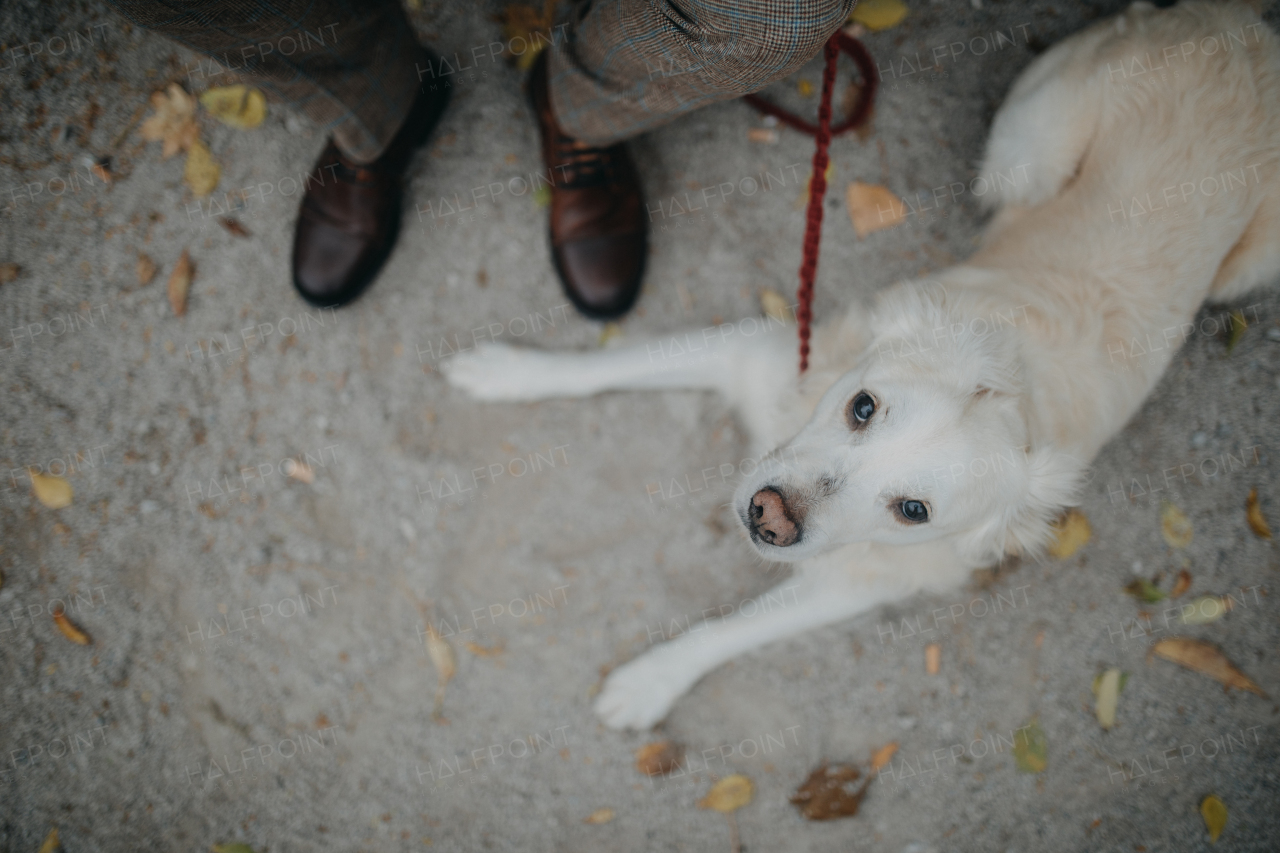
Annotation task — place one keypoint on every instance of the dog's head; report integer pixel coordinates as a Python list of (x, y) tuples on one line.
[(924, 438)]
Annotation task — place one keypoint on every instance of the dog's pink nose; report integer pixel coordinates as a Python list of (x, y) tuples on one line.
[(769, 519)]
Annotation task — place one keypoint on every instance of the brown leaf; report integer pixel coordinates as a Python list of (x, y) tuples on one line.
[(873, 207), (70, 630), (441, 654), (832, 791), (180, 283), (763, 135), (485, 651), (659, 757), (932, 658), (1182, 584), (9, 272), (1253, 513), (1071, 533), (233, 225), (1206, 660), (102, 170), (173, 122), (884, 755), (301, 471), (146, 269), (599, 816)]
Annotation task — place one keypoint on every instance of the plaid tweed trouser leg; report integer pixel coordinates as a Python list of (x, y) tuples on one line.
[(349, 66), (628, 66)]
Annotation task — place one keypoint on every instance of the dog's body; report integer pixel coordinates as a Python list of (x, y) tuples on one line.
[(951, 425)]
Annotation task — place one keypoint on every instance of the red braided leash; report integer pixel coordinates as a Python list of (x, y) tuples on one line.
[(818, 180)]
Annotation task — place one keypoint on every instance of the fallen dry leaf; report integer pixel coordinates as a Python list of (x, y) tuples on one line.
[(146, 269), (1071, 533), (1182, 584), (302, 472), (804, 88), (233, 225), (102, 170), (884, 755), (70, 630), (52, 491), (50, 841), (659, 757), (1031, 748), (1205, 609), (873, 207), (1206, 660), (599, 816), (832, 791), (1175, 526), (485, 651), (1214, 812), (932, 658), (879, 14), (729, 794), (774, 304), (1253, 513), (763, 135), (235, 106), (9, 272), (180, 283), (173, 122), (202, 172), (1108, 693), (441, 654)]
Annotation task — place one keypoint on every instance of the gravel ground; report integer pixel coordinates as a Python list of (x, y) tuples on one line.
[(258, 671)]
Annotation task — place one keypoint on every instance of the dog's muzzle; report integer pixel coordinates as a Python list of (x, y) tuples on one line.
[(769, 520)]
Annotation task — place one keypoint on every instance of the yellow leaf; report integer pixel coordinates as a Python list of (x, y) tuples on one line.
[(1030, 748), (524, 23), (1206, 660), (608, 333), (1072, 532), (236, 106), (599, 816), (1214, 812), (729, 794), (774, 304), (202, 172), (932, 658), (805, 88), (1108, 694), (180, 283), (1253, 513), (173, 122), (70, 630), (1238, 324), (50, 841), (53, 492), (232, 848), (1205, 609), (1175, 526), (879, 14), (872, 208)]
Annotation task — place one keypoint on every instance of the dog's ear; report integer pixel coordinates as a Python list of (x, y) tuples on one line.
[(1048, 482)]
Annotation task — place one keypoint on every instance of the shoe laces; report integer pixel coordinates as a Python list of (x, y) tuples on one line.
[(580, 165)]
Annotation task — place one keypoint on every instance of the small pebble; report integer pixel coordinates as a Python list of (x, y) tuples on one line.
[(1199, 440), (1273, 334)]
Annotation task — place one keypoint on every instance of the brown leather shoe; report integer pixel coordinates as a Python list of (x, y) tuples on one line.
[(350, 215), (598, 228)]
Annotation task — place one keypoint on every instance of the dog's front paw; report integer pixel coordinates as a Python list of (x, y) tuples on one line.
[(494, 372), (639, 694)]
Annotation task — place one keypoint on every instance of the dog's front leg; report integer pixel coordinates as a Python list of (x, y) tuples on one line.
[(639, 694), (709, 359)]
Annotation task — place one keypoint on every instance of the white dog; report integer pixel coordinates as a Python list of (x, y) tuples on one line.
[(949, 426)]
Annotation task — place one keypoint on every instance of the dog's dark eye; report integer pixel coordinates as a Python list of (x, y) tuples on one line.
[(914, 511), (861, 408)]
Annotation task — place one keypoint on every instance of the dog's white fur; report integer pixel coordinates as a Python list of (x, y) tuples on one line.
[(997, 381)]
